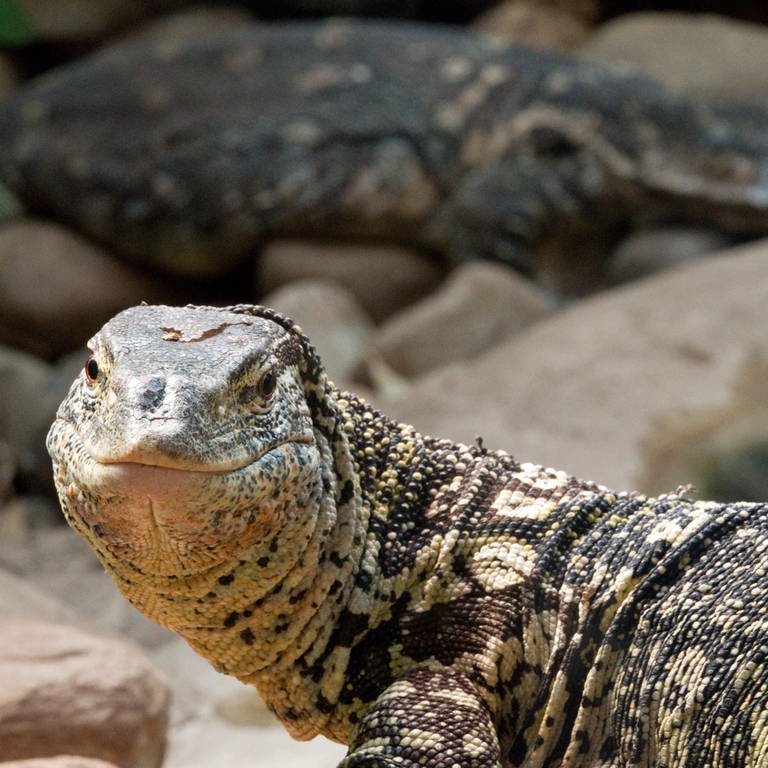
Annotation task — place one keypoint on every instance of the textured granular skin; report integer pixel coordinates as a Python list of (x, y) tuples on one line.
[(427, 603)]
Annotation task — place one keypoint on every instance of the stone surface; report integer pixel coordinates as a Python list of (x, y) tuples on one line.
[(66, 692), (61, 761), (382, 278), (25, 405), (478, 306), (331, 316), (190, 24), (59, 563), (702, 55), (655, 249), (598, 389), (84, 287), (20, 600), (534, 24), (7, 470)]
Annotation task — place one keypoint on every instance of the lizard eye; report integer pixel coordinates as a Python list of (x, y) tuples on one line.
[(267, 384), (91, 370)]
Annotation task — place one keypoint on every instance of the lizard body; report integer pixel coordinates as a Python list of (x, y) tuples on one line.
[(425, 602), (191, 155)]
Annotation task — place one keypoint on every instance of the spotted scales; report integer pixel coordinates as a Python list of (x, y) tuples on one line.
[(427, 603)]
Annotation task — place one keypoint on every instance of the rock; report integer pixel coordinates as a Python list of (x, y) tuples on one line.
[(84, 287), (479, 305), (331, 317), (66, 692), (189, 24), (654, 249), (703, 55), (25, 405), (534, 24), (598, 388), (62, 761), (33, 471), (382, 278), (7, 470), (59, 563), (20, 600), (214, 743)]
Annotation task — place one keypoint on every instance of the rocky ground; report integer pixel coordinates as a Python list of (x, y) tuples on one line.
[(655, 377)]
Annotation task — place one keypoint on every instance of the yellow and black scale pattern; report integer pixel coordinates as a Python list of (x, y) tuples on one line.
[(428, 603)]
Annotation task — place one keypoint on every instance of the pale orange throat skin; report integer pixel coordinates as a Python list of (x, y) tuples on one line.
[(420, 600)]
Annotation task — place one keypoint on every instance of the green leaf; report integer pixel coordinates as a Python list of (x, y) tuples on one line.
[(15, 28)]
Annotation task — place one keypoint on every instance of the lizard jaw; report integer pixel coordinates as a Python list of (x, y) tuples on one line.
[(175, 518)]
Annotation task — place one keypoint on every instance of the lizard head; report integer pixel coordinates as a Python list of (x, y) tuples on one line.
[(191, 436)]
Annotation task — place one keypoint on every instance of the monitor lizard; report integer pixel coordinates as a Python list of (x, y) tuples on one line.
[(427, 603), (191, 155)]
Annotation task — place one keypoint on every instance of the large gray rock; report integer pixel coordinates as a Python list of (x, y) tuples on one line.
[(653, 249), (601, 389), (66, 692), (25, 404), (56, 288), (478, 306), (382, 278), (62, 566), (21, 600), (702, 55)]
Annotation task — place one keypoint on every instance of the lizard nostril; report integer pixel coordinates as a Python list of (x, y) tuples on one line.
[(152, 393)]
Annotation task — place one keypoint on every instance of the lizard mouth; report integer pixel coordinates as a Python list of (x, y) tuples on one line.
[(172, 517), (168, 479)]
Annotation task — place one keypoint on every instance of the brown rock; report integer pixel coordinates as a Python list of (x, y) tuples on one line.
[(20, 600), (66, 692), (655, 249), (382, 278), (25, 406), (597, 388), (703, 55), (534, 24), (84, 287), (7, 470), (59, 563), (61, 761), (331, 316), (191, 24), (478, 306)]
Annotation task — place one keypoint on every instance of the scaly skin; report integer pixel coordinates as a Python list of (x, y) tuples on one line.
[(424, 602)]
